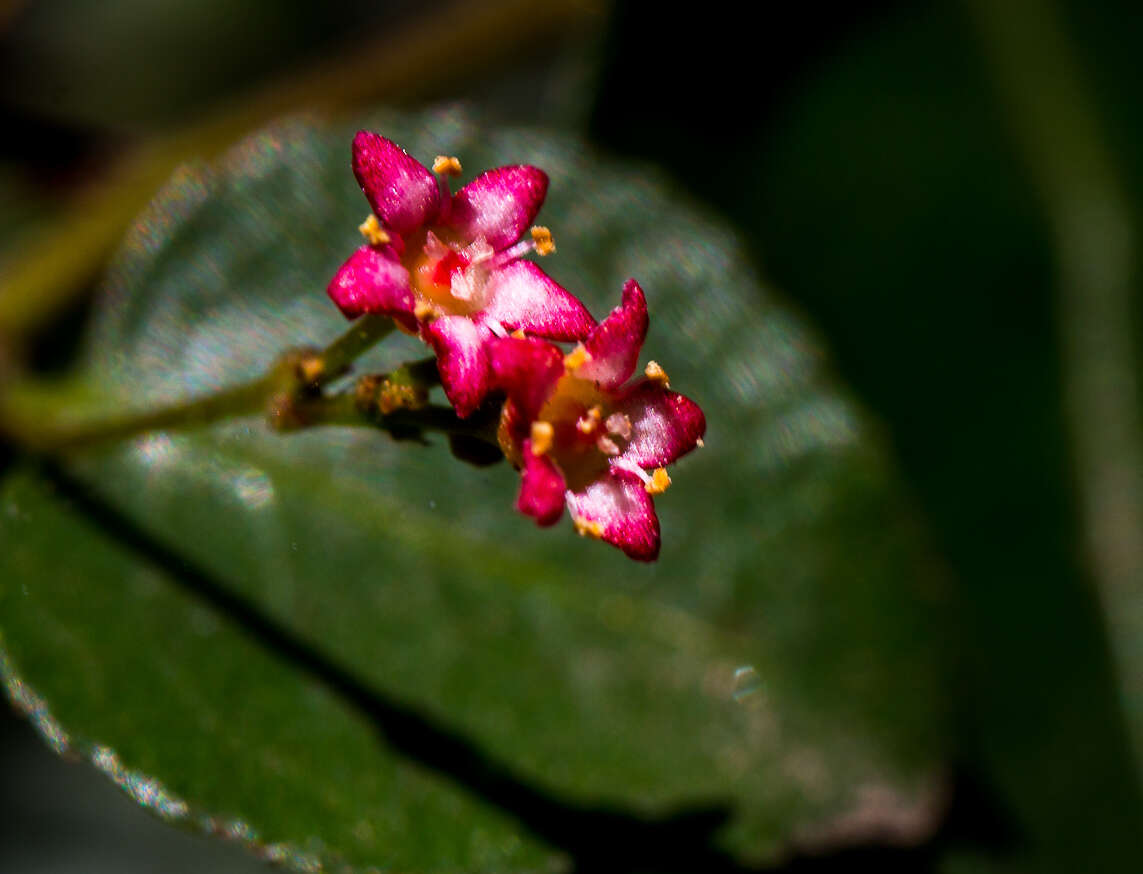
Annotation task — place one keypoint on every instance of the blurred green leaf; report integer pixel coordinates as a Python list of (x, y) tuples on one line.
[(356, 649), (942, 293)]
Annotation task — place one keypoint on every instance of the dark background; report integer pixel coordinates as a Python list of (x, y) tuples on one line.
[(871, 160)]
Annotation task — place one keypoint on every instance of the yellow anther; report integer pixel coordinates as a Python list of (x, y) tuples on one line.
[(372, 231), (424, 311), (542, 433), (700, 443), (589, 421), (542, 237), (659, 482), (518, 334), (654, 372), (446, 165), (577, 357), (584, 528), (311, 368)]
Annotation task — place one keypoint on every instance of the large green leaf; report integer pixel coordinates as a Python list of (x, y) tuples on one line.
[(356, 650)]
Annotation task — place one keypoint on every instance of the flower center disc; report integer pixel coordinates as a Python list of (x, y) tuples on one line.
[(443, 275)]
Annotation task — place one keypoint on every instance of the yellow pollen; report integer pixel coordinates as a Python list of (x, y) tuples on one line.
[(311, 368), (542, 237), (654, 372), (659, 482), (584, 528), (424, 312), (589, 421), (372, 231), (542, 433), (577, 357), (518, 334), (446, 165), (700, 443)]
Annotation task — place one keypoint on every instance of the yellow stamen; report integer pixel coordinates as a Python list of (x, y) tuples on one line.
[(659, 482), (584, 528), (372, 231), (589, 421), (446, 165), (311, 368), (577, 357), (542, 237), (518, 334), (542, 433), (700, 443), (654, 372), (424, 311)]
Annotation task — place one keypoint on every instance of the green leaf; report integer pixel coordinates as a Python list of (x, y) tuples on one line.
[(359, 652)]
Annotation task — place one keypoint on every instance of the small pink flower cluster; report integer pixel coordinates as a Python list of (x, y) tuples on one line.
[(450, 268)]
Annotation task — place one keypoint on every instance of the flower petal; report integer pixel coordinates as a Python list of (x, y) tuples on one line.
[(373, 281), (613, 347), (521, 295), (665, 425), (541, 488), (620, 511), (459, 344), (401, 190), (499, 204), (527, 370)]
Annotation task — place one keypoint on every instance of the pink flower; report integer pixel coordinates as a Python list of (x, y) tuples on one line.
[(581, 437), (449, 265)]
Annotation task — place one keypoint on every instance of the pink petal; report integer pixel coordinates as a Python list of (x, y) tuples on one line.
[(521, 295), (527, 370), (615, 343), (665, 425), (620, 505), (499, 204), (373, 281), (401, 190), (541, 488), (459, 344)]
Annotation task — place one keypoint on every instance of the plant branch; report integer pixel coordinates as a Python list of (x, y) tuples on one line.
[(41, 418), (336, 358)]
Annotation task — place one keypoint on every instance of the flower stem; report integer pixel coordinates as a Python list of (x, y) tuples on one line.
[(362, 335), (37, 417)]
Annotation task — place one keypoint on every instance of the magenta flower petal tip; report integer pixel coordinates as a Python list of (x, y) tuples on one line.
[(465, 375), (525, 298), (499, 204), (617, 510), (373, 282), (542, 488), (612, 348), (401, 191)]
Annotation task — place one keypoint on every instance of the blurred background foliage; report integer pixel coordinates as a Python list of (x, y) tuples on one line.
[(949, 191)]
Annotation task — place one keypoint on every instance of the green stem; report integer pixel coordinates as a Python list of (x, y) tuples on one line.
[(30, 418), (362, 335), (30, 415)]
